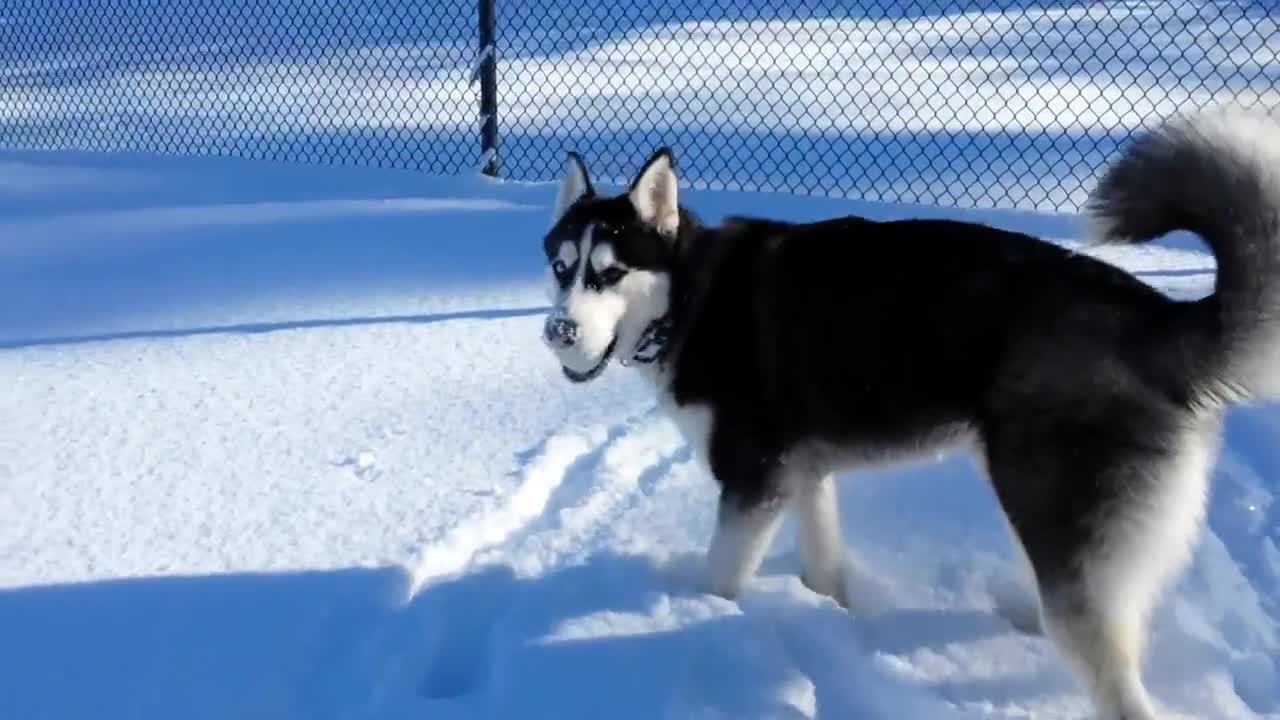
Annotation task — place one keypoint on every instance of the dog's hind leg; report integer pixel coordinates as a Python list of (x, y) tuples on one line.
[(742, 535), (1102, 646), (1108, 518), (818, 532), (1142, 546)]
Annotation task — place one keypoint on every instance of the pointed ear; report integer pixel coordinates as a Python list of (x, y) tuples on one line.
[(653, 193), (575, 184)]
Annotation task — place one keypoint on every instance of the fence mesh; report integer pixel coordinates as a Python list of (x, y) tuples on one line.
[(994, 104)]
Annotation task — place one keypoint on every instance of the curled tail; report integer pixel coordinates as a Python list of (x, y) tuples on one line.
[(1217, 174)]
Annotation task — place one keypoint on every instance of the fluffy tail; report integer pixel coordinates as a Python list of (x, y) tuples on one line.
[(1216, 174)]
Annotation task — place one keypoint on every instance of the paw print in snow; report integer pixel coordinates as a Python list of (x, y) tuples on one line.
[(364, 465)]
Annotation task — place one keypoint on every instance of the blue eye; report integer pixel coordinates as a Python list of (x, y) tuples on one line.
[(559, 267)]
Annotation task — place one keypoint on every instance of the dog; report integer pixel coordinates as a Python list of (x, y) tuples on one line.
[(789, 353)]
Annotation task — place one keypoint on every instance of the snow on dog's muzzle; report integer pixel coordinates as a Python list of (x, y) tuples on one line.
[(560, 331), (563, 336)]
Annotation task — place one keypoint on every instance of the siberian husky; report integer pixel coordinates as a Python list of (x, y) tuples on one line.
[(790, 353)]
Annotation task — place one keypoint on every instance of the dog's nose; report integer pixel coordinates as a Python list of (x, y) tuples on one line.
[(561, 331)]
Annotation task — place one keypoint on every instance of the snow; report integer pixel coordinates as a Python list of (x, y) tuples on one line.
[(282, 441), (989, 103)]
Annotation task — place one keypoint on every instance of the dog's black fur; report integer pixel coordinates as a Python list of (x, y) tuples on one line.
[(836, 344)]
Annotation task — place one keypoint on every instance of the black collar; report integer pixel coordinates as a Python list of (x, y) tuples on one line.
[(653, 343)]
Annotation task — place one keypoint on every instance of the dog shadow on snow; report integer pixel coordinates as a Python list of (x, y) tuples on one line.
[(618, 635), (614, 636), (626, 636), (623, 636)]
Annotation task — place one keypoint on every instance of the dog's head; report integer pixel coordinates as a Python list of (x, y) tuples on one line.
[(609, 264)]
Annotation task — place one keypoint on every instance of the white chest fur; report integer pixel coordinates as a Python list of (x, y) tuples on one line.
[(694, 420)]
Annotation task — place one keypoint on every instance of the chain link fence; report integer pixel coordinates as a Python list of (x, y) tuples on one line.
[(1009, 103)]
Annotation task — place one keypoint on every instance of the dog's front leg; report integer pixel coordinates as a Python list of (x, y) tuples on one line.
[(821, 545), (742, 535)]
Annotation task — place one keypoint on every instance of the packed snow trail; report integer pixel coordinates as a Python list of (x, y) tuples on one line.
[(283, 442)]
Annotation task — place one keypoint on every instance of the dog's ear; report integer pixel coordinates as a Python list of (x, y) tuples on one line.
[(576, 184), (653, 193)]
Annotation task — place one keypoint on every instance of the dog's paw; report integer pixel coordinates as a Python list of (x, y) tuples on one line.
[(722, 587), (863, 591), (692, 573), (834, 585)]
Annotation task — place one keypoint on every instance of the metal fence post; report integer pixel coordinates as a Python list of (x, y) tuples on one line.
[(488, 70)]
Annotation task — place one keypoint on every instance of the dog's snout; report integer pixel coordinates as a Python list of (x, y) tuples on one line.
[(561, 331)]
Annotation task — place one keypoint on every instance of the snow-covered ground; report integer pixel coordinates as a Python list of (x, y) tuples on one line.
[(281, 442)]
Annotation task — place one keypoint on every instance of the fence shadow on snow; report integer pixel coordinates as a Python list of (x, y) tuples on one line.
[(993, 104)]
